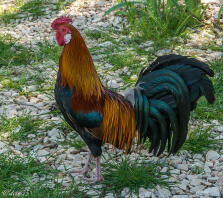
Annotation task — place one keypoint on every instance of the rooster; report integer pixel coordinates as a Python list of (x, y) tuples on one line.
[(157, 107)]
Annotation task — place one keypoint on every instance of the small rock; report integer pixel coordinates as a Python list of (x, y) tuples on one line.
[(212, 155), (109, 195), (213, 191), (125, 192), (198, 156), (195, 182), (42, 152), (207, 169), (219, 129), (3, 147), (220, 182), (182, 167), (106, 44), (163, 193), (134, 77), (175, 171), (180, 196), (143, 193), (113, 84)]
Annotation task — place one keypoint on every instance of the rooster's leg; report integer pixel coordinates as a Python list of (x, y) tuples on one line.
[(98, 169), (98, 172), (86, 166)]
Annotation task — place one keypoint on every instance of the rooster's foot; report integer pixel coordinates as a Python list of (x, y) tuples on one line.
[(94, 180)]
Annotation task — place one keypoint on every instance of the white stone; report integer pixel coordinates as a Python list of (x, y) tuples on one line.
[(208, 1), (106, 44), (175, 171), (54, 133), (42, 152), (207, 169), (213, 191), (183, 185), (32, 88), (212, 155), (220, 183), (219, 129), (113, 84), (163, 193), (195, 182), (110, 195), (3, 147), (198, 156), (197, 188), (180, 196), (134, 77), (125, 192), (182, 167), (143, 193)]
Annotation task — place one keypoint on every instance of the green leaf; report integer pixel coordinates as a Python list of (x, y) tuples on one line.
[(122, 5)]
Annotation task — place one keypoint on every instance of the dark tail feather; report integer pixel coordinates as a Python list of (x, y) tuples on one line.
[(165, 93)]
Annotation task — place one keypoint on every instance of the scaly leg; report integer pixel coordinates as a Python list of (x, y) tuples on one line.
[(98, 172), (98, 169), (86, 166)]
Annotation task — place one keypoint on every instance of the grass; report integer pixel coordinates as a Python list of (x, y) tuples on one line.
[(32, 9), (154, 20), (133, 174), (11, 53), (201, 140), (48, 51), (18, 128), (207, 112), (23, 9), (11, 84), (26, 178)]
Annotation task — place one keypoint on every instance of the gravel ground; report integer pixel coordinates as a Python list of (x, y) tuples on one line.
[(88, 14)]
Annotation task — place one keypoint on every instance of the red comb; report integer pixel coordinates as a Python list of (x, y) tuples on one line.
[(59, 21)]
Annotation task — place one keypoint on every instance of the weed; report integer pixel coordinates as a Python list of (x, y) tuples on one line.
[(159, 21), (24, 9), (200, 140), (18, 128), (11, 53), (197, 170), (133, 174), (48, 51), (25, 178)]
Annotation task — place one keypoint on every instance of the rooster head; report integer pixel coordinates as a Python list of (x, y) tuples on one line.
[(63, 33)]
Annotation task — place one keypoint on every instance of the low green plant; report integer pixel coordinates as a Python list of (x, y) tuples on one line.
[(18, 128), (160, 20), (24, 9), (26, 178), (11, 53), (200, 140), (133, 174), (48, 51)]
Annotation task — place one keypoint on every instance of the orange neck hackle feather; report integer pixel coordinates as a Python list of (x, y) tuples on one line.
[(77, 68)]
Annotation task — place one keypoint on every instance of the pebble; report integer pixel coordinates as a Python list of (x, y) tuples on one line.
[(213, 191), (183, 167), (3, 147), (212, 155), (163, 193)]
